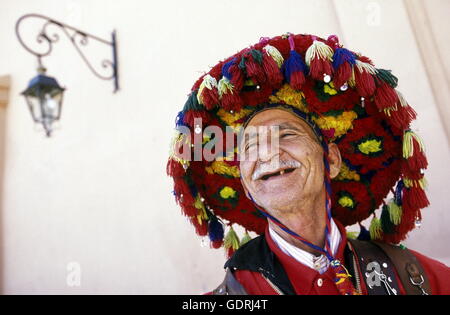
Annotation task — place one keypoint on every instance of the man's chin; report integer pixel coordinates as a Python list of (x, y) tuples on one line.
[(279, 203)]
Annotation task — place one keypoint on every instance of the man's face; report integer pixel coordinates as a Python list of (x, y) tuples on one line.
[(288, 167)]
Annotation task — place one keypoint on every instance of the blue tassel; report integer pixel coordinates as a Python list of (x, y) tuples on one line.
[(193, 190), (342, 55), (398, 193), (179, 119), (293, 64), (225, 68), (364, 234), (295, 70), (215, 230)]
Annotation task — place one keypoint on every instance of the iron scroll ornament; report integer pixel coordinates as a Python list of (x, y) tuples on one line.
[(78, 38)]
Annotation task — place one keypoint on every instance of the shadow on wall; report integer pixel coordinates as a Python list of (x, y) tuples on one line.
[(4, 95)]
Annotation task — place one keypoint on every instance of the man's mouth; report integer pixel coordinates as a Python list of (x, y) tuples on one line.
[(266, 176)]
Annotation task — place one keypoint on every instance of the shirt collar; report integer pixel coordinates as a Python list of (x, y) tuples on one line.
[(318, 263), (302, 277)]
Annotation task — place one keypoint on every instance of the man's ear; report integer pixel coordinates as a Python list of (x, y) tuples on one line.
[(335, 159)]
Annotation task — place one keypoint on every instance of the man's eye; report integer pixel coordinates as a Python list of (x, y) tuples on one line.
[(284, 135)]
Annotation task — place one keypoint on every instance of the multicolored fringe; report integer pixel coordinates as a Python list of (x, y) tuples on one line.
[(403, 212), (249, 78)]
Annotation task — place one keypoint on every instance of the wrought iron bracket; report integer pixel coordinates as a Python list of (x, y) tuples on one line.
[(78, 38)]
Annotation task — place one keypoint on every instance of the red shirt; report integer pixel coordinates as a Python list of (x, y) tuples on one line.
[(308, 281)]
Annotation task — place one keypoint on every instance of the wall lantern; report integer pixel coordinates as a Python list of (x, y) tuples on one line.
[(44, 96)]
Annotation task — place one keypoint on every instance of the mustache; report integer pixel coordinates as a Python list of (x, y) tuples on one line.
[(274, 165)]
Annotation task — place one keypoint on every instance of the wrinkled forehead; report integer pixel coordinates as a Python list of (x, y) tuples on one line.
[(281, 118)]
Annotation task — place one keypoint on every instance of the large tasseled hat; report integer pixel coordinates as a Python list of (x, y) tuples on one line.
[(352, 102)]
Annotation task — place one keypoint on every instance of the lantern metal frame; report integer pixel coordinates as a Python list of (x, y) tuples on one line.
[(78, 39), (38, 87)]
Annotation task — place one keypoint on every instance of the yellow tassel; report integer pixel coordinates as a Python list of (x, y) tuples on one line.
[(343, 276), (224, 86), (352, 235), (202, 216), (408, 144), (393, 108), (177, 141), (403, 102), (421, 183), (395, 212), (208, 82), (319, 50), (275, 54), (231, 240), (367, 67), (198, 203), (375, 229), (245, 239), (351, 81)]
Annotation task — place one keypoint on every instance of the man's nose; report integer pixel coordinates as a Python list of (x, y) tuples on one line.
[(268, 147)]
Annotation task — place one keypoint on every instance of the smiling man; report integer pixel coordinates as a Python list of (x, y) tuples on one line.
[(287, 179), (322, 142)]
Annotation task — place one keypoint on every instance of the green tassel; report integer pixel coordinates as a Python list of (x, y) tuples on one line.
[(257, 55), (192, 103), (387, 225), (388, 77), (395, 212), (241, 64), (352, 235), (375, 229), (231, 240), (246, 238)]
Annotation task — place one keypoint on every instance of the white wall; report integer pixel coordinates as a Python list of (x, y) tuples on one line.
[(96, 192)]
